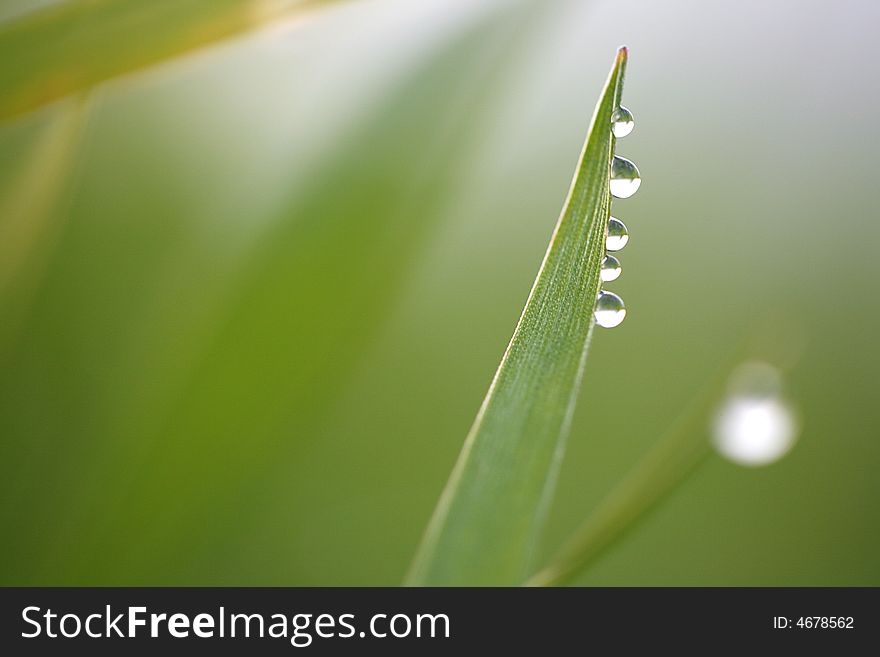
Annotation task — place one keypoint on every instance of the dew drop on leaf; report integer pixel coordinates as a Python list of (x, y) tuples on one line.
[(625, 177), (622, 122), (617, 235), (610, 310), (610, 269)]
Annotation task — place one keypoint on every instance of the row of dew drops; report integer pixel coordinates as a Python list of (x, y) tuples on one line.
[(625, 181), (754, 426)]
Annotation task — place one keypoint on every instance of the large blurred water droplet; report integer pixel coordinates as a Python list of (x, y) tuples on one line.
[(754, 425), (610, 310), (622, 122), (617, 235), (610, 269), (625, 177)]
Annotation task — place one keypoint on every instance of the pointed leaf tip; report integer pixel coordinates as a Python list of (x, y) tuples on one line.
[(491, 514)]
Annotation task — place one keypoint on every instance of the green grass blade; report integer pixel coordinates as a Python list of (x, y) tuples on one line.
[(52, 53), (488, 518)]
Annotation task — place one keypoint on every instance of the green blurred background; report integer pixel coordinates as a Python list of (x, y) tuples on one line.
[(251, 297)]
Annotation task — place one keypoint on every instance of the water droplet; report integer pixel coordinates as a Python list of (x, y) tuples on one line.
[(610, 310), (754, 425), (610, 269), (617, 235), (625, 177), (622, 122)]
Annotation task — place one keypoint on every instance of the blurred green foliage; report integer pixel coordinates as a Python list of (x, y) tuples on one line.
[(69, 47), (252, 298)]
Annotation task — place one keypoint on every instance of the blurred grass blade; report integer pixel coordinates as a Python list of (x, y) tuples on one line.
[(52, 53), (678, 453), (29, 216), (489, 516)]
